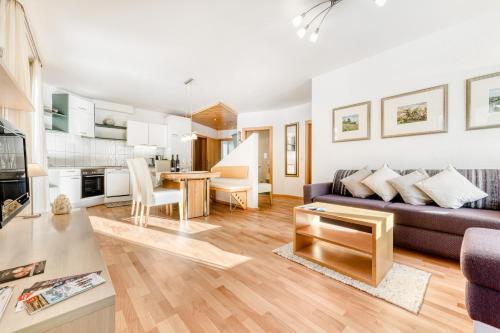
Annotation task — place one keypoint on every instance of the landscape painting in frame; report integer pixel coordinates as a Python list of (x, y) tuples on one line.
[(351, 123), (483, 102), (415, 113)]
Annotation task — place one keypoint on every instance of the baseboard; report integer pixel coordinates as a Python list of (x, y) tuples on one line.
[(287, 196)]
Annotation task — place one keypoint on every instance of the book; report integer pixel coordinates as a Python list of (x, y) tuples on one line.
[(21, 272), (61, 292), (44, 285), (5, 295)]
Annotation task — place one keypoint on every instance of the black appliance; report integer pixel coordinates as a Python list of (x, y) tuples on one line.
[(92, 182), (14, 183)]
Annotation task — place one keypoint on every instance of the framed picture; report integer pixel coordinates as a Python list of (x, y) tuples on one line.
[(292, 150), (352, 122), (415, 113), (483, 102)]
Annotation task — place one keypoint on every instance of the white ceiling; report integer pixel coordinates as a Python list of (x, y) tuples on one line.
[(244, 53)]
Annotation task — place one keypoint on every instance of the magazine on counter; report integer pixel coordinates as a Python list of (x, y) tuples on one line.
[(5, 295), (44, 285), (62, 292), (21, 272)]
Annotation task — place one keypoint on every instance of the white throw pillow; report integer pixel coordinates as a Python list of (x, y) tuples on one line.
[(411, 194), (449, 189), (354, 185), (378, 183)]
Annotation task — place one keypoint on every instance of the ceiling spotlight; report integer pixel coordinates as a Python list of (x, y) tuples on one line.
[(298, 19), (302, 31), (314, 36), (380, 3)]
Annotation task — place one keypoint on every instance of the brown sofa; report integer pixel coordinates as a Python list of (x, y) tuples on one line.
[(430, 228)]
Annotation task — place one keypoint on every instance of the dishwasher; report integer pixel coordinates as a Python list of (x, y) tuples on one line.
[(117, 185)]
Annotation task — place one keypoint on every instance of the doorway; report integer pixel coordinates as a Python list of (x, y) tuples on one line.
[(265, 151), (206, 153), (308, 176)]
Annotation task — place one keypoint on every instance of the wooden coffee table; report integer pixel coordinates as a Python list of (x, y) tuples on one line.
[(353, 241)]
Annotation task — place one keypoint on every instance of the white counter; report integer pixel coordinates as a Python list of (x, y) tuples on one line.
[(69, 245)]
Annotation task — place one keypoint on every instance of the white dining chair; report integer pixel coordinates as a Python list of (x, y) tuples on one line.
[(136, 194), (152, 196)]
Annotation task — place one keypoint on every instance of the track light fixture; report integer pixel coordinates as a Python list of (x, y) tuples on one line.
[(321, 11)]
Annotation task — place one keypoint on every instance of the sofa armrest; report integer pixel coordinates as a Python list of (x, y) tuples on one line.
[(314, 190)]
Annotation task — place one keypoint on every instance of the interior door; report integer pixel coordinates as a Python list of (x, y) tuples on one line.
[(265, 153), (213, 152)]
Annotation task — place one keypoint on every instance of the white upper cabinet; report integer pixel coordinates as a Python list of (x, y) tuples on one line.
[(137, 133), (157, 135), (75, 115)]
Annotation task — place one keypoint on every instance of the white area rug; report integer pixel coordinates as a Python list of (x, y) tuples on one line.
[(403, 286)]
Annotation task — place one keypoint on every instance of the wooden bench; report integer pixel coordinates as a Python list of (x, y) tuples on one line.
[(228, 183)]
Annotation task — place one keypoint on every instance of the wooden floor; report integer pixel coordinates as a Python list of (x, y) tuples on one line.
[(166, 292)]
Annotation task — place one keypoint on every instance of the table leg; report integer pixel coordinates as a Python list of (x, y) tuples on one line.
[(186, 200), (206, 201)]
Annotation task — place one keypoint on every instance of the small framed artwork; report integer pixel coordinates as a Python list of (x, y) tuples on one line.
[(352, 122), (415, 113), (483, 102)]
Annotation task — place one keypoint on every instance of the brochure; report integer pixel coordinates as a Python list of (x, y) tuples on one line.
[(62, 292), (44, 285), (5, 295), (21, 272)]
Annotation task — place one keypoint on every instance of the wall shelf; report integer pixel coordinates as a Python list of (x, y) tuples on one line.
[(111, 126), (11, 94)]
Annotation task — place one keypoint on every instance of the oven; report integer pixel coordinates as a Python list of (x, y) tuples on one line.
[(92, 182)]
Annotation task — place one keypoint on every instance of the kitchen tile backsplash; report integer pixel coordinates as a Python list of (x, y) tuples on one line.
[(65, 150)]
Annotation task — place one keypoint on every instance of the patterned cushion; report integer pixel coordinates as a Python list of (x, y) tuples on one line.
[(488, 180)]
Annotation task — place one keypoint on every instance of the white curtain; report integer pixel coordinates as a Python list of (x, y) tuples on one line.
[(40, 186), (16, 58), (17, 49)]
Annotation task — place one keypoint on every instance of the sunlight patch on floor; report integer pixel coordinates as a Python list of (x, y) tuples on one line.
[(189, 227), (196, 250)]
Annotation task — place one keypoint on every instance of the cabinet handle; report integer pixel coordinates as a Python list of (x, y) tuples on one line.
[(81, 108), (75, 178)]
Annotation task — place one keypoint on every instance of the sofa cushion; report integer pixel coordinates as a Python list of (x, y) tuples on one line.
[(488, 180), (453, 221), (411, 194), (379, 183), (480, 257), (354, 184), (449, 189), (353, 202)]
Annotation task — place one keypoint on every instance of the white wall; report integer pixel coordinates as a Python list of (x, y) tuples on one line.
[(246, 154), (448, 56), (278, 119)]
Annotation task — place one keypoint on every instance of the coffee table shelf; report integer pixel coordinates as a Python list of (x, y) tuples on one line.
[(343, 260), (352, 241)]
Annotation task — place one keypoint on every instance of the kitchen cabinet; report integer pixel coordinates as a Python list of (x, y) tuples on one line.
[(67, 182), (157, 135), (137, 133), (144, 134), (117, 182), (74, 115)]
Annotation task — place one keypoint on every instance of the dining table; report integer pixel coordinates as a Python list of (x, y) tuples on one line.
[(195, 190)]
